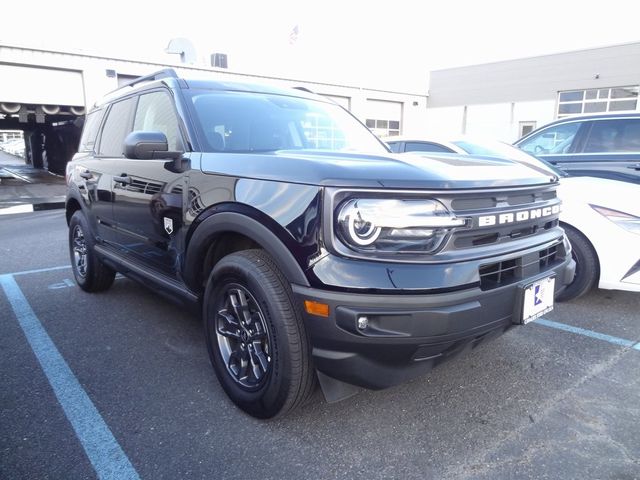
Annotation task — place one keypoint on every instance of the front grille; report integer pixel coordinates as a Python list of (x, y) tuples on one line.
[(506, 272), (515, 214)]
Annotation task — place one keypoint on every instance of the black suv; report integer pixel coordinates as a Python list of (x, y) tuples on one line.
[(310, 249), (605, 145)]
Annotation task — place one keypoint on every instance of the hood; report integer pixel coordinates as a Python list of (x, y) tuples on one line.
[(403, 171)]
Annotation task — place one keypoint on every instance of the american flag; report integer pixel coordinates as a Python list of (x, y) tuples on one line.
[(293, 36)]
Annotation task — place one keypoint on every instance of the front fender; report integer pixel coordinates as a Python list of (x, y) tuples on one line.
[(279, 246)]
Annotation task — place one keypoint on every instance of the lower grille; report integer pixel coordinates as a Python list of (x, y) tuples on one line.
[(506, 272), (548, 257), (498, 274)]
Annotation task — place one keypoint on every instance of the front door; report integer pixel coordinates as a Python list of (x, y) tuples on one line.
[(148, 195)]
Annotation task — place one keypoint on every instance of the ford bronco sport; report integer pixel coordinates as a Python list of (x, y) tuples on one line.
[(310, 249)]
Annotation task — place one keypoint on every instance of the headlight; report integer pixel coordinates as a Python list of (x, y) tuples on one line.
[(631, 223), (385, 225)]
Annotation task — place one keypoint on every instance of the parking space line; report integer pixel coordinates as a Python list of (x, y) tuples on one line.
[(38, 270), (103, 450), (590, 333)]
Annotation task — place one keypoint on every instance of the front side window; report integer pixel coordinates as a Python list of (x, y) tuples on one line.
[(614, 136), (552, 140), (255, 122), (116, 127), (155, 113)]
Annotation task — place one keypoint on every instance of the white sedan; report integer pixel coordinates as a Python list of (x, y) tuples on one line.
[(601, 217)]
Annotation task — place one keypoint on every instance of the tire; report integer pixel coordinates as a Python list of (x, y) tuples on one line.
[(264, 365), (90, 273), (587, 266)]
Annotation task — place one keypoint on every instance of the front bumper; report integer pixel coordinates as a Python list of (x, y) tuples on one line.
[(408, 334)]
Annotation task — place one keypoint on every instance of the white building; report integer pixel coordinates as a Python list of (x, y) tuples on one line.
[(506, 100), (35, 77)]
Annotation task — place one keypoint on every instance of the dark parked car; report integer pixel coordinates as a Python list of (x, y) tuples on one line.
[(311, 251), (606, 145)]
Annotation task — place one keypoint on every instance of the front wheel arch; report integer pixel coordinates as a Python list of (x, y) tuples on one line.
[(223, 223)]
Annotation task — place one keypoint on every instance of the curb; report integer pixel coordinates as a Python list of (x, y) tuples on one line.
[(30, 207)]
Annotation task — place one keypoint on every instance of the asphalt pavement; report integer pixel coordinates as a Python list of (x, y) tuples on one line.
[(557, 398)]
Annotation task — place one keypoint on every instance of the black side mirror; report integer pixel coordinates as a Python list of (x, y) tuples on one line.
[(141, 145)]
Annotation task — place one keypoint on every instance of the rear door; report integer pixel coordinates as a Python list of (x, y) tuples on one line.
[(94, 166), (148, 195), (610, 149)]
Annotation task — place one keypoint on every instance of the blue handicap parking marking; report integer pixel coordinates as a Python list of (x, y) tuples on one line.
[(103, 450), (589, 333)]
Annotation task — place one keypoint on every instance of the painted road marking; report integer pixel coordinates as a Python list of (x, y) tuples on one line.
[(38, 270), (589, 333), (66, 283), (105, 454)]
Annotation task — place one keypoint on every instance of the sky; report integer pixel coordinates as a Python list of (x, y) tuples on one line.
[(391, 45)]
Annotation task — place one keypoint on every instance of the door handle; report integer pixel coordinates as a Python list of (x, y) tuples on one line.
[(123, 179), (87, 175), (634, 167)]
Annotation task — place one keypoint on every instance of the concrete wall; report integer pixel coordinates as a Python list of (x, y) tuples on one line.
[(498, 120), (536, 78), (498, 96)]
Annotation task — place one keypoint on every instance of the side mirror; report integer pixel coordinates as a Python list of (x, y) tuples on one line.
[(141, 145)]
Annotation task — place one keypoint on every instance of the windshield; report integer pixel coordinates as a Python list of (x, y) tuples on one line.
[(240, 122), (504, 150)]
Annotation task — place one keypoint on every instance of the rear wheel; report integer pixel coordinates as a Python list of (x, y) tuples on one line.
[(255, 335), (90, 273), (587, 265)]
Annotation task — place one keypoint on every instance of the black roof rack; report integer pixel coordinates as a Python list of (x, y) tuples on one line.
[(303, 89), (165, 73)]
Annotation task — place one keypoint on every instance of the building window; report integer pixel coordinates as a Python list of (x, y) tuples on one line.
[(596, 100), (384, 128), (526, 128)]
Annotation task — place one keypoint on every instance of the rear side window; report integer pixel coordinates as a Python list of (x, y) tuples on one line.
[(116, 127), (552, 140), (155, 113), (614, 136), (90, 131), (426, 147)]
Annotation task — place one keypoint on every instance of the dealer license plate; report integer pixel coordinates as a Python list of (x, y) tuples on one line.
[(538, 299)]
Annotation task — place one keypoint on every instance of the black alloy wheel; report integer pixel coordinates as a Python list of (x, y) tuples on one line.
[(256, 337), (243, 338), (88, 270)]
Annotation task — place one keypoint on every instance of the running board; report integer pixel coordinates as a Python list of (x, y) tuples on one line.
[(138, 271)]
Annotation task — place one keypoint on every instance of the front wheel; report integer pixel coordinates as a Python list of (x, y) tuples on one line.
[(587, 266), (255, 335)]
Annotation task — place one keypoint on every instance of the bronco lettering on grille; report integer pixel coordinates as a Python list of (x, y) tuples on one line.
[(520, 216)]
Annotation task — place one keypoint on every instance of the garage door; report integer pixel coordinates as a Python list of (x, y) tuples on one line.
[(40, 86), (384, 118)]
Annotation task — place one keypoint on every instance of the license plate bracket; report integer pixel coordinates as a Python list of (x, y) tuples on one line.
[(537, 299)]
